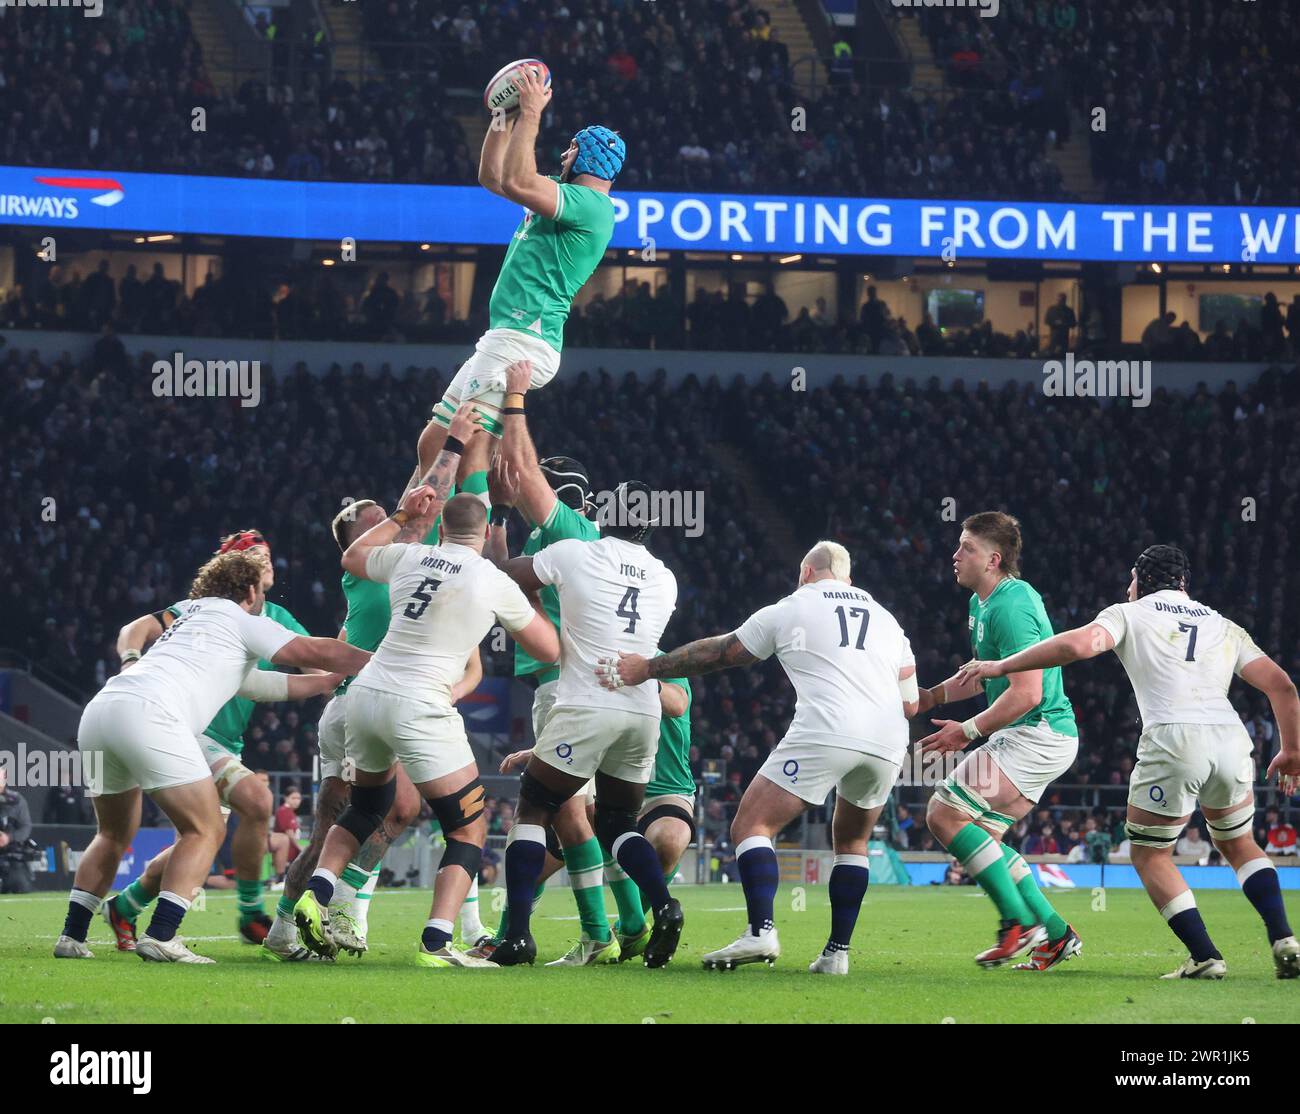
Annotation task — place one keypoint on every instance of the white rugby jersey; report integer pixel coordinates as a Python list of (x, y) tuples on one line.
[(614, 595), (1180, 656), (843, 652), (444, 599), (200, 661)]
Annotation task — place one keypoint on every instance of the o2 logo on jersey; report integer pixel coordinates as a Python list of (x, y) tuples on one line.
[(564, 752), (1157, 794), (791, 770), (979, 631)]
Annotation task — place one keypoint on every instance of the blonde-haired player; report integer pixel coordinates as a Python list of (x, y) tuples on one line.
[(855, 681), (1180, 656)]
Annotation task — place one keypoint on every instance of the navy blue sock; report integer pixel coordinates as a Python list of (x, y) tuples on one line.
[(167, 915), (437, 934), (525, 857), (1265, 894), (322, 888), (640, 863), (848, 886), (759, 875), (81, 907), (1190, 929)]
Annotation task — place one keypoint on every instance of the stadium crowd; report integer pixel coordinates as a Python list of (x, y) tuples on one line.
[(303, 302), (119, 93), (114, 496)]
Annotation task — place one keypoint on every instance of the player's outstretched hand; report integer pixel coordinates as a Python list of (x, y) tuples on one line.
[(417, 501), (1287, 767), (949, 737), (534, 93), (512, 762), (464, 423), (975, 670), (503, 483), (519, 377)]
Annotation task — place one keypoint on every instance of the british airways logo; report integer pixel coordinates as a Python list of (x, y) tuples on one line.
[(108, 193)]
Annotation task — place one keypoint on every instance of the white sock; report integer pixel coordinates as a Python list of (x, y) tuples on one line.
[(471, 926)]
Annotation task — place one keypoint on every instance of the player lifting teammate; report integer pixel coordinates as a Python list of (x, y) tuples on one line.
[(554, 497), (1180, 656), (1032, 740), (614, 595), (445, 598), (855, 685)]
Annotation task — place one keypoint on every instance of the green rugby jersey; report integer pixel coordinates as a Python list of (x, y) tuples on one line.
[(1010, 620), (672, 772), (561, 524), (231, 721), (548, 261)]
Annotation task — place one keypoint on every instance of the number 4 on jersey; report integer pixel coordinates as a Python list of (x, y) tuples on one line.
[(627, 609)]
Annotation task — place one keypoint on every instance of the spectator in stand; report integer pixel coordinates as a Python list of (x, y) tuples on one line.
[(1279, 835), (1191, 843), (1060, 321)]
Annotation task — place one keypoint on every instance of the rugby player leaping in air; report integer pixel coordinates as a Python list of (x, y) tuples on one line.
[(552, 253)]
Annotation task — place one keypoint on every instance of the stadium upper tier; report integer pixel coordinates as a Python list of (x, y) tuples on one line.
[(706, 94)]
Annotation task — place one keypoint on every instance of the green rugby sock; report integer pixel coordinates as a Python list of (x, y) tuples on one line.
[(631, 918), (475, 483), (1042, 909), (248, 896), (284, 908), (133, 900), (586, 876), (981, 855)]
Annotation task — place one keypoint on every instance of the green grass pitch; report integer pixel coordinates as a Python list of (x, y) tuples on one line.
[(911, 963)]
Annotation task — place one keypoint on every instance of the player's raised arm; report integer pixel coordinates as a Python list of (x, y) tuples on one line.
[(503, 492), (520, 181), (536, 498), (491, 162)]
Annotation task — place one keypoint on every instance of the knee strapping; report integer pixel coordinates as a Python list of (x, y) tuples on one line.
[(1236, 824), (463, 854), (1153, 835), (462, 807), (964, 799), (540, 795), (659, 812), (367, 809), (230, 775)]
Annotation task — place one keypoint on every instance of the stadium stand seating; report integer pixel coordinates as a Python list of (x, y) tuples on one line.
[(152, 484)]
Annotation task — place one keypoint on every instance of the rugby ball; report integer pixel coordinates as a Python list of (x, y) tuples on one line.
[(502, 92)]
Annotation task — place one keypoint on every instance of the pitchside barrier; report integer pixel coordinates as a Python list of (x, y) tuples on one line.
[(413, 862)]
